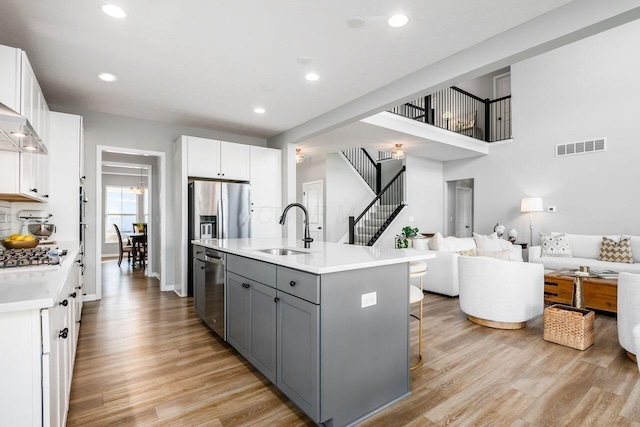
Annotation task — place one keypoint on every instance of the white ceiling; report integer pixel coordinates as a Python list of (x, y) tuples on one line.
[(204, 63)]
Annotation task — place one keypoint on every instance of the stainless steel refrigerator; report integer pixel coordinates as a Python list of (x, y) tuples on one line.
[(217, 210)]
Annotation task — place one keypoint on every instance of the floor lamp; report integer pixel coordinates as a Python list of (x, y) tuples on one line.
[(531, 205)]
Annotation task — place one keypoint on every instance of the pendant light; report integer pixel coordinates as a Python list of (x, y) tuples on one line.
[(140, 188), (398, 152)]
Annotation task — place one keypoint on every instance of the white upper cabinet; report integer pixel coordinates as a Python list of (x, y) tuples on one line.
[(266, 177), (20, 91), (208, 158), (234, 161)]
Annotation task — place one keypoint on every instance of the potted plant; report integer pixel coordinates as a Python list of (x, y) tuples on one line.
[(402, 240)]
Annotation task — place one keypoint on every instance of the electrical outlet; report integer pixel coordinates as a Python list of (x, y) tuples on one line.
[(411, 219), (367, 300), (552, 209)]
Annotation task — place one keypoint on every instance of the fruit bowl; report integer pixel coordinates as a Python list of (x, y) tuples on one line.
[(19, 244)]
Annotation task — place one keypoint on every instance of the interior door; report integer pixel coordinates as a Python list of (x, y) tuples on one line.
[(463, 211), (313, 200), (501, 111)]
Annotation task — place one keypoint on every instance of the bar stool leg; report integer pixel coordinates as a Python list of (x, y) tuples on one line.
[(419, 318)]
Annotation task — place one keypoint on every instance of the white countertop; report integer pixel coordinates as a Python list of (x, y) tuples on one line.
[(28, 288), (321, 258)]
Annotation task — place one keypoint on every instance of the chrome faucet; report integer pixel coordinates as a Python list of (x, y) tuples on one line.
[(307, 238)]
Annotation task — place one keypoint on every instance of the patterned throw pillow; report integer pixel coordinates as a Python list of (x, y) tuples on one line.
[(468, 252), (556, 245), (616, 252)]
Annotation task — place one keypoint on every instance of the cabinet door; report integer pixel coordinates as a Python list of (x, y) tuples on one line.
[(234, 161), (29, 94), (43, 176), (263, 329), (203, 158), (266, 177), (238, 316), (28, 174), (299, 353)]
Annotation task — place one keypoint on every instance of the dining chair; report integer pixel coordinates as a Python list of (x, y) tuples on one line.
[(122, 248)]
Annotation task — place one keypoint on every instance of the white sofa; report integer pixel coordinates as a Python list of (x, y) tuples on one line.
[(585, 249), (500, 294), (442, 275)]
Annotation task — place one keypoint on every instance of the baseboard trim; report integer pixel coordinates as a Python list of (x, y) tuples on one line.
[(89, 297)]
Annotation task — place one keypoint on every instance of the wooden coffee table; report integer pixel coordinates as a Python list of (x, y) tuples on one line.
[(599, 294)]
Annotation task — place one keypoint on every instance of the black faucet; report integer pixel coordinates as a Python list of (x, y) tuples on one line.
[(307, 239)]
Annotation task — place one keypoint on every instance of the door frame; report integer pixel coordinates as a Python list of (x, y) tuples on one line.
[(460, 190), (321, 182), (162, 173)]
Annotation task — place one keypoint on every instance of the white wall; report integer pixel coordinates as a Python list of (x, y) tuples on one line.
[(585, 90), (127, 132), (346, 195), (482, 86), (424, 194)]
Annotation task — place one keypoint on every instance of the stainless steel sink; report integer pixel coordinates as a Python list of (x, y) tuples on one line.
[(281, 251)]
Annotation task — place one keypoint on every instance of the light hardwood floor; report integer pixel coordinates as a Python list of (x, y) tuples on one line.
[(145, 359)]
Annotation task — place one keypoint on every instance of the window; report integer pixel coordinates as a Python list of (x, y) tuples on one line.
[(121, 207)]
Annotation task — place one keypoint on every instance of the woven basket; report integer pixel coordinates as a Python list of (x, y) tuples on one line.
[(568, 326)]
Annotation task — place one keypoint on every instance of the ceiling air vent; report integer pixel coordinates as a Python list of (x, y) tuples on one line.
[(582, 147)]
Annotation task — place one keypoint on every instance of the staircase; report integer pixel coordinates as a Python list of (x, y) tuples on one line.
[(374, 220), (368, 168)]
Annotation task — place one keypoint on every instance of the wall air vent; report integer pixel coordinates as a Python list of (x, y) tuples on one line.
[(582, 147)]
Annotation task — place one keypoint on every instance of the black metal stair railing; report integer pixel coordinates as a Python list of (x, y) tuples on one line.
[(459, 111), (368, 169), (371, 223)]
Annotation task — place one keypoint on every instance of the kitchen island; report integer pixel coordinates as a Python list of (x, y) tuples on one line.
[(329, 325)]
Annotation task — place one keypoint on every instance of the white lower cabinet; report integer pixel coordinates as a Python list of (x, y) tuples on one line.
[(37, 359)]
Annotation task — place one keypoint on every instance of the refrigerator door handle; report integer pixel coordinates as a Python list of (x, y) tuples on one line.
[(224, 226), (219, 226)]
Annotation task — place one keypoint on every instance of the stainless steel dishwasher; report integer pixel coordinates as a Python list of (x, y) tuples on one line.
[(208, 288)]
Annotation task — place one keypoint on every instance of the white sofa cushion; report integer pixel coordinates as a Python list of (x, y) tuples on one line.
[(586, 245), (487, 243), (451, 244)]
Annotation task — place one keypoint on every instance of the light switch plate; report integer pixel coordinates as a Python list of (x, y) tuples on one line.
[(369, 299)]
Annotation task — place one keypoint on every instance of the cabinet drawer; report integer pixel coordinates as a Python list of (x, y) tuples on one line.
[(297, 283), (259, 271)]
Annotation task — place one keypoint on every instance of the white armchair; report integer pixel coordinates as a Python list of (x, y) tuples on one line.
[(500, 294), (628, 311)]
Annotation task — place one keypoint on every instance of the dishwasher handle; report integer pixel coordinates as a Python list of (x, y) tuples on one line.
[(214, 260)]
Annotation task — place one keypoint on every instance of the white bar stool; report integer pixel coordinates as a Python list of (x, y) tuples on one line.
[(417, 269)]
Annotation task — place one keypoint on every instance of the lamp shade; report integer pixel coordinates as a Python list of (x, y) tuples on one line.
[(531, 204)]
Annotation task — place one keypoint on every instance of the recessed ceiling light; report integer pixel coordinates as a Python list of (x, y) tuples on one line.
[(259, 110), (267, 88), (19, 134), (107, 77), (114, 11), (29, 147), (355, 21), (398, 20), (312, 77)]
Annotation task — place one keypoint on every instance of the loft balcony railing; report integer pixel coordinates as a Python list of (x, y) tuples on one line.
[(459, 111)]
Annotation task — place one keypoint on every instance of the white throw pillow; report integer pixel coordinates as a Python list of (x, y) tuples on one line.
[(488, 243), (503, 255), (555, 245)]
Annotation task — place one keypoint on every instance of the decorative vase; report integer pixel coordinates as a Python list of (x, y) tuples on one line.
[(513, 235)]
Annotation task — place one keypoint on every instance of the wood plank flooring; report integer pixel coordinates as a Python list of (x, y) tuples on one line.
[(144, 359)]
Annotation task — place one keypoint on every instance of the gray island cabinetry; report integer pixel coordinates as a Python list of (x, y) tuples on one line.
[(329, 326)]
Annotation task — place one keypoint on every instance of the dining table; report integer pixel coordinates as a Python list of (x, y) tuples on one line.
[(138, 240)]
